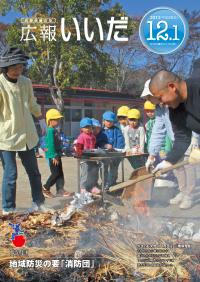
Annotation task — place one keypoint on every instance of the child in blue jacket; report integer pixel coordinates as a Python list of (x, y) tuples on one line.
[(101, 137), (115, 141)]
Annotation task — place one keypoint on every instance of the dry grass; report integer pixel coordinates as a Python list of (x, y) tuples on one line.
[(32, 224), (121, 249), (117, 246)]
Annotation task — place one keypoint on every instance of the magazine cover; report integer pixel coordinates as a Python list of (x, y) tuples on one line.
[(99, 141)]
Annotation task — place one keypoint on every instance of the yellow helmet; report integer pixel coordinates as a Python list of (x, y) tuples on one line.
[(134, 113), (149, 106), (52, 114), (123, 111)]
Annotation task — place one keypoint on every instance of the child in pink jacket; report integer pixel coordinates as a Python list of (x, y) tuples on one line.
[(86, 141)]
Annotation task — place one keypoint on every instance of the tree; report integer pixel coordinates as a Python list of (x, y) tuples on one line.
[(134, 64), (3, 29), (60, 63), (123, 55), (180, 62)]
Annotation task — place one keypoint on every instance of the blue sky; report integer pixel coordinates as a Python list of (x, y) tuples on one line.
[(140, 7), (10, 17), (134, 7)]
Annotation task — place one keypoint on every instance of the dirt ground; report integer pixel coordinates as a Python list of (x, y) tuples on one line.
[(71, 184), (23, 200)]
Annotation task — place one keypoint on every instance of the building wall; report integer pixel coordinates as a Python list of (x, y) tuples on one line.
[(74, 113), (79, 107)]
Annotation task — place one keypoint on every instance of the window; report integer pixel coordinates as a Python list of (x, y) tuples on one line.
[(88, 113), (98, 114), (67, 115), (67, 103), (86, 104), (76, 114)]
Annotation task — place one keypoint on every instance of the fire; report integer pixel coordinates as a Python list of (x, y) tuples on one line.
[(142, 208), (139, 200), (139, 193)]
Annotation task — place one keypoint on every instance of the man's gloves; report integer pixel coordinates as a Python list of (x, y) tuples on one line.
[(162, 165), (150, 163), (43, 126), (195, 142)]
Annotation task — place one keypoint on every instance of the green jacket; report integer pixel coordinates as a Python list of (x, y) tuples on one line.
[(149, 126), (167, 144), (53, 144)]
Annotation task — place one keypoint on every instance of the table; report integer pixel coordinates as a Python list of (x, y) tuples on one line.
[(101, 161)]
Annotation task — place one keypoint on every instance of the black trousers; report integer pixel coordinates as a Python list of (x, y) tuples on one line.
[(56, 177)]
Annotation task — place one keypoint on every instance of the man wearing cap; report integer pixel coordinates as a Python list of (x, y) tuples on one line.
[(17, 130)]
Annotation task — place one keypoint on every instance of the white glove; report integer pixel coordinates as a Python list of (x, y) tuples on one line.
[(162, 165), (194, 143), (149, 163), (43, 126)]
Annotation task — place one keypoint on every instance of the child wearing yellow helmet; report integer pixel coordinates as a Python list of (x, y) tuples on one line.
[(134, 135), (122, 113), (54, 153), (149, 109), (150, 112)]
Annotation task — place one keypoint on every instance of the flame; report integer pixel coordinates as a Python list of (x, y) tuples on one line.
[(139, 193), (142, 208), (139, 201), (138, 198)]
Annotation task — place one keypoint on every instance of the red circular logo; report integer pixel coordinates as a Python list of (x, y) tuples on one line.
[(19, 241)]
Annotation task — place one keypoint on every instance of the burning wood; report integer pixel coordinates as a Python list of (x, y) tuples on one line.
[(109, 237)]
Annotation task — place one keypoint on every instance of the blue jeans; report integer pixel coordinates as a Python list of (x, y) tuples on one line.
[(29, 162)]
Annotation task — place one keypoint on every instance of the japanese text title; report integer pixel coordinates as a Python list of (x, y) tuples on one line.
[(46, 29)]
